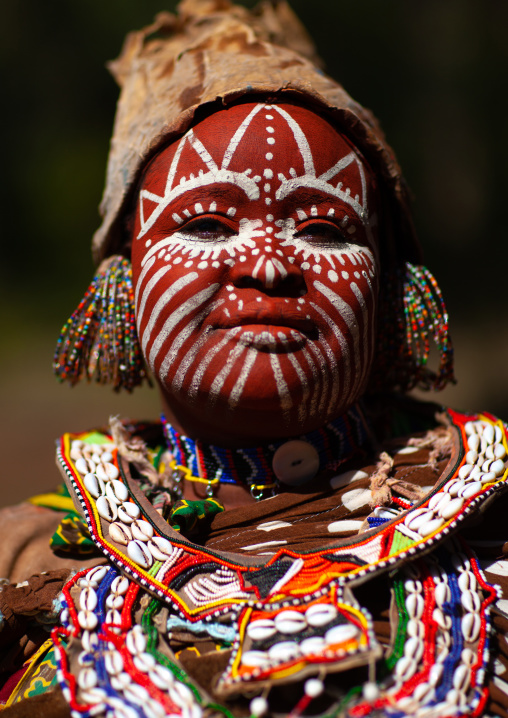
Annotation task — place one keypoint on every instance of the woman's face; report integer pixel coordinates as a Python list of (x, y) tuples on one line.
[(255, 266)]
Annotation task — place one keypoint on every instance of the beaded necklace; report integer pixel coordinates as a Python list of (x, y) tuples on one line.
[(334, 443)]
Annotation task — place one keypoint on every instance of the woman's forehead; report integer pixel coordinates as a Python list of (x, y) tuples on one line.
[(246, 146)]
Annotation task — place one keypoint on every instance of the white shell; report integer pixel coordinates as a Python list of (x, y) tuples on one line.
[(423, 693), (87, 620), (470, 428), (122, 680), (465, 470), (442, 593), (117, 491), (488, 434), (498, 434), (87, 599), (473, 442), (412, 585), (135, 641), (471, 457), (162, 677), (120, 533), (114, 617), (468, 657), (499, 451), (436, 499), (89, 641), (319, 614), (160, 548), (405, 668), (415, 628), (113, 662), (488, 477), (101, 472), (94, 695), (415, 605), (261, 629), (184, 693), (431, 526), (290, 622), (341, 633), (114, 601), (94, 485), (415, 513), (255, 658), (413, 648), (497, 467), (467, 581), (144, 662), (129, 511), (461, 678), (106, 456), (120, 585), (111, 470), (435, 674), (87, 678), (470, 626), (470, 601), (142, 530), (456, 486), (312, 646), (443, 621), (452, 508), (139, 553), (471, 489), (106, 508), (284, 651)]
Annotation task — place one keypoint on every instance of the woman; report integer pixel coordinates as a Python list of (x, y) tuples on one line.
[(291, 539)]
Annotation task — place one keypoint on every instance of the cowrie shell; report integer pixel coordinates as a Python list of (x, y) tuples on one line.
[(120, 533), (128, 512), (319, 614), (435, 674), (423, 693), (461, 678), (120, 585), (87, 599), (470, 601), (290, 622), (106, 508), (467, 581), (94, 485), (141, 530), (115, 602), (465, 470), (470, 428), (437, 498), (451, 508), (471, 457), (442, 594), (312, 646), (468, 657), (89, 641), (139, 553), (415, 605), (473, 442), (113, 616), (443, 621), (113, 662), (415, 628), (144, 662), (456, 487), (82, 466), (488, 434), (106, 456), (471, 490), (76, 444), (497, 467), (87, 620), (117, 491), (255, 659), (160, 548), (430, 526), (470, 626), (135, 642), (93, 695), (261, 629), (341, 633), (413, 648), (111, 470), (162, 677), (87, 678), (405, 668), (414, 514), (184, 694), (412, 585), (284, 651)]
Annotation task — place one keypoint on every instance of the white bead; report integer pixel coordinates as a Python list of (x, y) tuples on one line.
[(295, 462), (258, 707), (370, 692), (313, 687)]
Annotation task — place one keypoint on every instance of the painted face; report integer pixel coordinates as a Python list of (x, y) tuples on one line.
[(255, 269)]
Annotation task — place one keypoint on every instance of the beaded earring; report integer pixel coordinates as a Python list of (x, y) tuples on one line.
[(412, 314), (99, 340)]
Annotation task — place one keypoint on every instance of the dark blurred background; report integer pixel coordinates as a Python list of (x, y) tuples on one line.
[(433, 72)]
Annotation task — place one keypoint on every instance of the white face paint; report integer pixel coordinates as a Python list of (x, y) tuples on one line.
[(256, 270)]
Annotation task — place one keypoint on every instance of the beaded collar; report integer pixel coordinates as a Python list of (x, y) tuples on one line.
[(335, 443)]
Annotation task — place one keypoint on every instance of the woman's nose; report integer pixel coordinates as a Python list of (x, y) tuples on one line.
[(270, 270)]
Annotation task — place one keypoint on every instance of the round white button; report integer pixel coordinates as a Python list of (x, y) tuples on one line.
[(295, 462)]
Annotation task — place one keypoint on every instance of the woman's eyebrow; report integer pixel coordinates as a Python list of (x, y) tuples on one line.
[(303, 196)]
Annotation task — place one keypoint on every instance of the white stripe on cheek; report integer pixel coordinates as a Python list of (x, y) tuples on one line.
[(345, 357), (203, 365), (244, 373), (367, 342), (282, 388), (303, 404), (141, 278), (146, 291), (321, 363), (221, 377), (161, 303), (175, 317)]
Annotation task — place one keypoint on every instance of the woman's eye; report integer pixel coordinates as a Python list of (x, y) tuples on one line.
[(207, 228), (324, 233)]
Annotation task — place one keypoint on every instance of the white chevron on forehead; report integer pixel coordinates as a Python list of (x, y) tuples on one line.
[(249, 185)]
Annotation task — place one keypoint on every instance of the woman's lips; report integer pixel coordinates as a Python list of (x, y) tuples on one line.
[(259, 316)]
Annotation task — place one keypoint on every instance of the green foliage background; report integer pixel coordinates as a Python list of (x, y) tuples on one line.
[(434, 72)]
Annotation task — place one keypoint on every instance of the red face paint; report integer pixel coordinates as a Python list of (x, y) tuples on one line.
[(256, 272)]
